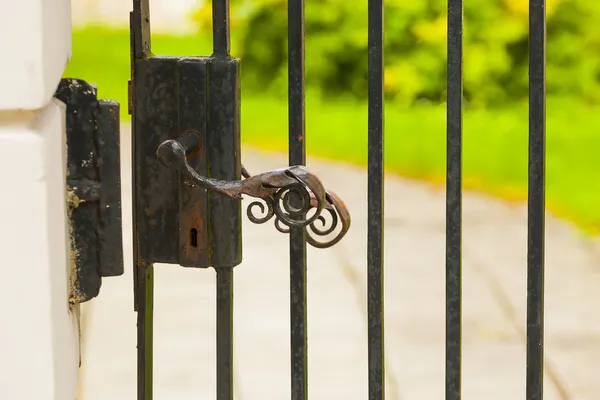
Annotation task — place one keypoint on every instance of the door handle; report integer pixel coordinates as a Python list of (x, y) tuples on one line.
[(294, 195)]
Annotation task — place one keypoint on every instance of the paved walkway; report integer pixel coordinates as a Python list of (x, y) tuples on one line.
[(494, 307)]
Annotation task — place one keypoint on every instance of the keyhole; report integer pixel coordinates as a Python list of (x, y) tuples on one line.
[(194, 237)]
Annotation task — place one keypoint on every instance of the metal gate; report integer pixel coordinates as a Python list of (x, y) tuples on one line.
[(187, 184)]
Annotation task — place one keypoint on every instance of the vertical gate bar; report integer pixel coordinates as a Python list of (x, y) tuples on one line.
[(224, 333), (297, 156), (220, 18), (143, 285), (375, 279), (140, 29), (536, 199), (454, 201), (224, 281), (145, 321)]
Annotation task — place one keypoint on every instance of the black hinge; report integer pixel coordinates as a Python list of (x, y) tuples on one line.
[(93, 188)]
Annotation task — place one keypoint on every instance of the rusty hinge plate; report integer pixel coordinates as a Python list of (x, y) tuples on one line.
[(93, 187)]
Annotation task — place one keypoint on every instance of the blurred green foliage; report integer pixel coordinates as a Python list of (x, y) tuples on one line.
[(495, 139), (495, 48)]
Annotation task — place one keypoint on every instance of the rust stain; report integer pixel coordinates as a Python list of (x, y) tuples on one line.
[(75, 296), (73, 200)]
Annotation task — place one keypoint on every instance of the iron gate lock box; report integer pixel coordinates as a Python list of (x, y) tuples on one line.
[(177, 221), (188, 174)]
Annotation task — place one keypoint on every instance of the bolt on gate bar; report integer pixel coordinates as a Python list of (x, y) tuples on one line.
[(143, 280), (297, 156)]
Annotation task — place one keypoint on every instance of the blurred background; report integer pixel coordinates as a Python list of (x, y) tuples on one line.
[(495, 81)]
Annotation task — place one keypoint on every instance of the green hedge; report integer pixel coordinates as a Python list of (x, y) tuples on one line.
[(495, 54)]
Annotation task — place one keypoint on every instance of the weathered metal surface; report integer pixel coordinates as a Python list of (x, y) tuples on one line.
[(375, 202), (143, 273), (536, 204), (176, 221), (288, 193), (454, 117), (93, 188)]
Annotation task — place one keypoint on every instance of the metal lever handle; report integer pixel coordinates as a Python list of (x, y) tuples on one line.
[(294, 195)]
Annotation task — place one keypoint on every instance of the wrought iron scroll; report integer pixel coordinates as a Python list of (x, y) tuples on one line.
[(293, 195)]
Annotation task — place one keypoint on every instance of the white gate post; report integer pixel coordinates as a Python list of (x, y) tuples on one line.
[(39, 339)]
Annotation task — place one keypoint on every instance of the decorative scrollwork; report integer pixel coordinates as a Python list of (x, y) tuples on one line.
[(266, 209), (339, 215), (295, 196), (291, 204)]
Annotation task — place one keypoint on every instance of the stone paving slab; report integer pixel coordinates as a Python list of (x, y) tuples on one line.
[(494, 297)]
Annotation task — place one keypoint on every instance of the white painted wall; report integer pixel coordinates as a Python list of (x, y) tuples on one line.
[(34, 51), (39, 337)]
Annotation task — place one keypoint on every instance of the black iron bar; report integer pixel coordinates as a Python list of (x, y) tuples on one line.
[(536, 200), (220, 19), (297, 156), (140, 29), (145, 321), (143, 273), (375, 279), (224, 333), (454, 202)]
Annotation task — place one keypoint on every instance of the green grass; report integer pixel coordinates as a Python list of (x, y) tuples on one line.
[(495, 141)]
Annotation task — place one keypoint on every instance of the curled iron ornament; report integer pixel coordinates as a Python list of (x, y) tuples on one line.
[(293, 195)]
